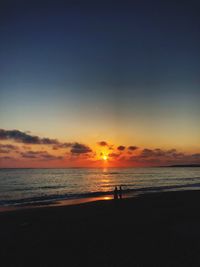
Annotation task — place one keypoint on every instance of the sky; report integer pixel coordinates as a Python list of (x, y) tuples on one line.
[(86, 72)]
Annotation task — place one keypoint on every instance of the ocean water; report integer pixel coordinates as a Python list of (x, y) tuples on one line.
[(22, 186)]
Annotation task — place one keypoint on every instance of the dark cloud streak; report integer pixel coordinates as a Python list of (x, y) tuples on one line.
[(80, 149), (121, 148), (25, 138), (132, 148), (102, 143), (7, 148), (42, 155)]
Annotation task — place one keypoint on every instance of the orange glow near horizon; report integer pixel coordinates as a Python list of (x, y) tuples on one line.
[(95, 154)]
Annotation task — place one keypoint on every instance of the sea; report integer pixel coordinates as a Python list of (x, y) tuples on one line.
[(30, 186)]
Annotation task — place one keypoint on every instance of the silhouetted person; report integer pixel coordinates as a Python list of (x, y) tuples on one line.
[(120, 192), (115, 193)]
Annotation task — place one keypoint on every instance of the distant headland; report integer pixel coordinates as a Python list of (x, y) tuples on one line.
[(184, 165)]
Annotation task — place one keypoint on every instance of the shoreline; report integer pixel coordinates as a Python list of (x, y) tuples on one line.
[(63, 202), (77, 201)]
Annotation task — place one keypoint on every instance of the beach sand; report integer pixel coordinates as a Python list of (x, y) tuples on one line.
[(158, 229)]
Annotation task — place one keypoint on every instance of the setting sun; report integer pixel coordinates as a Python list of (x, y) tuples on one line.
[(105, 157)]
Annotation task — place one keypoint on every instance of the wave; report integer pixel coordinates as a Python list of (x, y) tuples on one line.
[(32, 188), (110, 173)]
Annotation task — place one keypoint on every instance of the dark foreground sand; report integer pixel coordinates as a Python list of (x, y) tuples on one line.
[(161, 229)]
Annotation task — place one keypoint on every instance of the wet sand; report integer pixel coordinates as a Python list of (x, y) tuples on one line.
[(159, 229)]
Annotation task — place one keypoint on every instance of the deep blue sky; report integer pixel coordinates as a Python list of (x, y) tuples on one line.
[(69, 67)]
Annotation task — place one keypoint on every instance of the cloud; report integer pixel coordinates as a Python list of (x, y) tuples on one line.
[(42, 155), (113, 155), (6, 158), (149, 153), (145, 156), (132, 148), (62, 145), (6, 148), (47, 156), (196, 156), (164, 157), (146, 153), (102, 143), (121, 148), (32, 154), (80, 149), (25, 138)]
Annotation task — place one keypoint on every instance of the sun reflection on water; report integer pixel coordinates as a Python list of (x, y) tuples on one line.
[(107, 198)]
